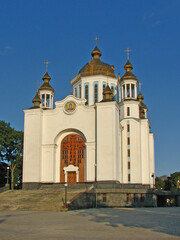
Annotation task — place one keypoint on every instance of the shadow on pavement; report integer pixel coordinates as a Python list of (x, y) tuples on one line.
[(164, 220)]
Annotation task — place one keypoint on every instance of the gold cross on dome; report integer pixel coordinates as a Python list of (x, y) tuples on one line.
[(96, 38), (140, 84), (37, 84), (47, 62), (128, 51)]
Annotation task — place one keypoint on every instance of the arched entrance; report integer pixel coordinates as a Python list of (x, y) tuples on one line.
[(72, 159)]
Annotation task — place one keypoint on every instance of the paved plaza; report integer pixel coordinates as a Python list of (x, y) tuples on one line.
[(106, 224)]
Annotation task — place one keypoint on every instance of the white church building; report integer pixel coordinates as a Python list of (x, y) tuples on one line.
[(100, 132)]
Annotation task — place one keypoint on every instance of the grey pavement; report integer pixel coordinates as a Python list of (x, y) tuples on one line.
[(104, 223)]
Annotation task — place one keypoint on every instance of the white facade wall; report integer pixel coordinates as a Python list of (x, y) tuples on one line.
[(107, 145), (32, 145)]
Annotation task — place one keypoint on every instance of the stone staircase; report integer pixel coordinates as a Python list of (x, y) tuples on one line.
[(35, 200)]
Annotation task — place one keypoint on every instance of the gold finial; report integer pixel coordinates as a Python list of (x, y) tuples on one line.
[(127, 50), (96, 38), (140, 84), (37, 84), (47, 62)]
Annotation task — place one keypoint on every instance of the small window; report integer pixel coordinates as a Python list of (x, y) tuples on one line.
[(129, 177), (128, 111), (103, 197), (104, 86), (128, 152), (128, 141), (128, 128), (95, 93), (87, 94), (75, 92), (129, 165), (79, 91)]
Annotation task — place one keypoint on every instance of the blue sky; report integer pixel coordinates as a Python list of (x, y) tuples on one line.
[(63, 32)]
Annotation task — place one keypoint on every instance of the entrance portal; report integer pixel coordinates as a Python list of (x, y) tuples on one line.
[(72, 153), (71, 177)]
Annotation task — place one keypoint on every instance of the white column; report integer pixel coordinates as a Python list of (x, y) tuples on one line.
[(45, 100), (145, 111), (135, 90), (122, 92), (130, 91), (50, 100), (119, 89)]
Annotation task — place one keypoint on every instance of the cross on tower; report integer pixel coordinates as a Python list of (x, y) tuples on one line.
[(46, 62), (37, 84), (96, 38), (140, 84), (128, 51)]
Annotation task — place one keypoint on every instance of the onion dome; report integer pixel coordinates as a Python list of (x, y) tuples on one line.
[(128, 74), (36, 101), (108, 94), (96, 53), (46, 85), (142, 106), (96, 66)]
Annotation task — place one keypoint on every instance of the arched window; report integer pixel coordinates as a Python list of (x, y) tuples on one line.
[(95, 93), (87, 93), (75, 91), (104, 86), (79, 91)]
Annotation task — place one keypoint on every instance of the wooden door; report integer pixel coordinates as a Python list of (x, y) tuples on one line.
[(71, 177), (73, 152)]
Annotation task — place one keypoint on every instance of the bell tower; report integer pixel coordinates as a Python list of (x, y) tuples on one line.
[(46, 93)]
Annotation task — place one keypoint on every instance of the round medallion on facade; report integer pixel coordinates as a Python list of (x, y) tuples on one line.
[(70, 107)]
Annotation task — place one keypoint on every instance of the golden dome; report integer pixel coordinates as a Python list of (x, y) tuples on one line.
[(142, 106), (108, 94), (46, 85), (36, 101), (128, 74), (96, 66)]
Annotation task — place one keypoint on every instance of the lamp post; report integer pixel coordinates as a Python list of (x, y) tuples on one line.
[(95, 185), (65, 185), (7, 175), (153, 180)]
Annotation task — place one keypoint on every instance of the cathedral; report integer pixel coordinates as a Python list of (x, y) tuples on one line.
[(98, 133)]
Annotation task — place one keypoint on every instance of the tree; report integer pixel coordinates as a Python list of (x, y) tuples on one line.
[(11, 149), (173, 179), (3, 173), (159, 183)]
